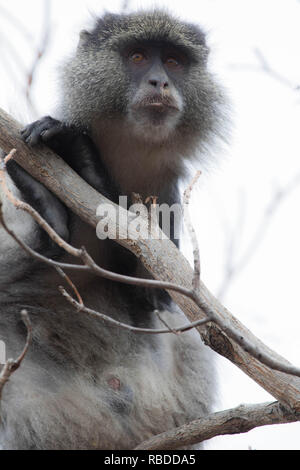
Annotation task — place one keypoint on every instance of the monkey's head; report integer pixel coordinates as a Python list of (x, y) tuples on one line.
[(147, 71)]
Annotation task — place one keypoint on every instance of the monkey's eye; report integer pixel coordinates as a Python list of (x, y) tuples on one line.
[(137, 57), (173, 62)]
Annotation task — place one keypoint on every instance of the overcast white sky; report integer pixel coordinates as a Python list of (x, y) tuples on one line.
[(263, 156)]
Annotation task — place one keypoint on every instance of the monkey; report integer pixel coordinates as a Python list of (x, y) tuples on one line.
[(137, 102)]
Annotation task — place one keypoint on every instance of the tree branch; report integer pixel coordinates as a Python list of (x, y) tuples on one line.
[(235, 421), (164, 262)]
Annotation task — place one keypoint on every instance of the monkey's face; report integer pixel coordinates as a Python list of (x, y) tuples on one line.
[(155, 103), (144, 76)]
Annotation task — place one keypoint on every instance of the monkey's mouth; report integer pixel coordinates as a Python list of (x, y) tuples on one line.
[(159, 104), (156, 113), (160, 107)]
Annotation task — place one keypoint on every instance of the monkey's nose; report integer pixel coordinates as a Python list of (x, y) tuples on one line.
[(159, 84)]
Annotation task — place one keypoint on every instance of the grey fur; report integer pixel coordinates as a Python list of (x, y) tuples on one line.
[(84, 385)]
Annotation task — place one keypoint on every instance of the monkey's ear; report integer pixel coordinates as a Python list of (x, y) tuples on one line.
[(84, 38)]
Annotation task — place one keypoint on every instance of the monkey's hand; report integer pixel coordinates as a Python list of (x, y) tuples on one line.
[(68, 142), (49, 131), (76, 148)]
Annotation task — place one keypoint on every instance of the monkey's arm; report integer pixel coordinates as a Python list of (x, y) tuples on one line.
[(41, 199), (76, 148), (79, 152)]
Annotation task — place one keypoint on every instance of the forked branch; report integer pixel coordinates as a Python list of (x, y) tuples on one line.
[(225, 334)]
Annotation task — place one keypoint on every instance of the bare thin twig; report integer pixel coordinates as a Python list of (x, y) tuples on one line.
[(19, 26), (112, 322), (273, 73), (157, 313), (192, 233), (263, 65), (235, 266), (40, 53), (71, 284), (13, 364)]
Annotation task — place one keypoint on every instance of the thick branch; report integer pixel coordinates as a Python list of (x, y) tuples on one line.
[(90, 265), (235, 421), (160, 257)]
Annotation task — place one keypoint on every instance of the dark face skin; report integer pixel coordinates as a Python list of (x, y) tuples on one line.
[(155, 69)]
